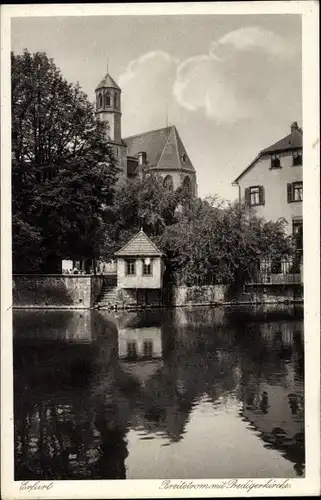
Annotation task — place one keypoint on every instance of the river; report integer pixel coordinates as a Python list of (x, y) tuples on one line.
[(164, 394)]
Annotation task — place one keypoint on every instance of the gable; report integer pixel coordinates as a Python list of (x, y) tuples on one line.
[(174, 155), (291, 142), (139, 245)]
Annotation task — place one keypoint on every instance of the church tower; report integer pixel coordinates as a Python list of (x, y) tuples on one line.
[(108, 111)]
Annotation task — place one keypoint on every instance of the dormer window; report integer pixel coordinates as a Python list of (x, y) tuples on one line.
[(297, 158), (142, 158), (275, 161), (184, 158)]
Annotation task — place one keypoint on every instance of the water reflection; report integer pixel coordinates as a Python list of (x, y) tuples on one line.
[(100, 395)]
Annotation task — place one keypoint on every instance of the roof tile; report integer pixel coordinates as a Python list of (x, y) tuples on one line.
[(292, 141), (139, 245), (109, 82), (163, 147)]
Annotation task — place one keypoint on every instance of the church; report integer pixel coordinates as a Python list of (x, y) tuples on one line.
[(161, 151)]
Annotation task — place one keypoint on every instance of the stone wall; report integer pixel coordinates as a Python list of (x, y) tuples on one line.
[(96, 286), (82, 292), (138, 298), (271, 293), (55, 291), (197, 295), (223, 294)]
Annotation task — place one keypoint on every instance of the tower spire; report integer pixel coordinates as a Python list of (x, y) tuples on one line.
[(107, 65), (166, 115)]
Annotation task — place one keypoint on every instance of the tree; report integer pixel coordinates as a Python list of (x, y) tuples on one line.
[(145, 203), (63, 172), (212, 243)]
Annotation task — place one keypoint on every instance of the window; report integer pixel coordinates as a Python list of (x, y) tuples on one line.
[(187, 186), (184, 158), (100, 100), (275, 161), (295, 191), (297, 231), (168, 182), (107, 99), (147, 267), (131, 349), (297, 158), (130, 267), (254, 196), (116, 100), (148, 348)]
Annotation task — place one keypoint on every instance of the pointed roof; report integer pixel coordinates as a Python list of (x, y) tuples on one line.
[(163, 147), (109, 82), (292, 141), (139, 245)]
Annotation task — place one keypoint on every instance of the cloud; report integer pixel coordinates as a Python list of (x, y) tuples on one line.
[(146, 90), (247, 73), (238, 75), (255, 38)]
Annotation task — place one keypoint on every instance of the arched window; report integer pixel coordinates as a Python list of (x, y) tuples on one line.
[(187, 185), (116, 100), (168, 182), (107, 99), (100, 100)]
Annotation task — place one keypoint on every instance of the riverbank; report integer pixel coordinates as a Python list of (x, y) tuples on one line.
[(61, 292)]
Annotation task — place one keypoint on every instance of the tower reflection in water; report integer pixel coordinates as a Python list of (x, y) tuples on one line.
[(83, 383)]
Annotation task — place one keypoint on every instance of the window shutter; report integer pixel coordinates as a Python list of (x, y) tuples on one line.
[(247, 196), (290, 192), (261, 195)]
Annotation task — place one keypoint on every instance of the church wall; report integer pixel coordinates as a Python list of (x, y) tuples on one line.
[(178, 178), (120, 155)]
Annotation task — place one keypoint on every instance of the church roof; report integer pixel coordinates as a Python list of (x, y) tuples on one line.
[(292, 141), (163, 147), (139, 245), (109, 82)]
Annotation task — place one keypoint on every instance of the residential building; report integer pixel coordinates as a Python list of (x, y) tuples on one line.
[(161, 151), (272, 185)]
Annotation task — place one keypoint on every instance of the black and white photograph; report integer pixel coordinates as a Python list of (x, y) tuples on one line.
[(162, 235)]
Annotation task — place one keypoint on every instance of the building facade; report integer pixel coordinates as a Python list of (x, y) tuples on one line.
[(140, 264), (272, 185), (161, 151)]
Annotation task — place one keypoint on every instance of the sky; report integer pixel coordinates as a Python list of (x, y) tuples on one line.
[(231, 84)]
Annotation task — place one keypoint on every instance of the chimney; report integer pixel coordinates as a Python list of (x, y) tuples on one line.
[(294, 127), (142, 158)]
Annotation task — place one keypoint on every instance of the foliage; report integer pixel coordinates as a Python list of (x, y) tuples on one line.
[(142, 203), (66, 205), (63, 173), (221, 243)]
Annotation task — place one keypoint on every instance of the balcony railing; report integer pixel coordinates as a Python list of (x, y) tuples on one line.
[(283, 272)]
